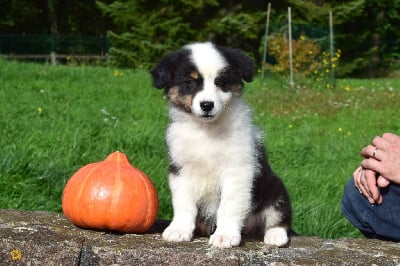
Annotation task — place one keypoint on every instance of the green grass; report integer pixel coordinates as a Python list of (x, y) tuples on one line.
[(54, 120)]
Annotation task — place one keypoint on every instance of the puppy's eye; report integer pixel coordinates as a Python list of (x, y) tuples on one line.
[(190, 84), (219, 81)]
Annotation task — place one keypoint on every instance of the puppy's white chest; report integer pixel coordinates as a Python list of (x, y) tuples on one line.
[(191, 144)]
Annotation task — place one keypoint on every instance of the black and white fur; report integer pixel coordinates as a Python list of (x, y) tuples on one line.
[(220, 179)]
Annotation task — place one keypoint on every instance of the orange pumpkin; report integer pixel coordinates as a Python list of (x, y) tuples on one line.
[(111, 195)]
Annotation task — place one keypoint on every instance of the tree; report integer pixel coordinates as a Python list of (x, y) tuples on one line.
[(52, 16), (20, 16), (145, 31), (382, 19), (149, 29)]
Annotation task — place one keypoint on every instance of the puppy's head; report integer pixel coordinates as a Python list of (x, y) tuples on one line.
[(201, 78)]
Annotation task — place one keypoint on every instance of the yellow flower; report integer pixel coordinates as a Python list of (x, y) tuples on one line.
[(347, 88), (39, 110), (118, 73), (340, 129), (302, 37), (16, 254)]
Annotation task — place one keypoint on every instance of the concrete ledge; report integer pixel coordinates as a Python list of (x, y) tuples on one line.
[(43, 238)]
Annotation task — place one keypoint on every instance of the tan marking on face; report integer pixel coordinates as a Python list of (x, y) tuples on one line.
[(194, 74), (181, 100)]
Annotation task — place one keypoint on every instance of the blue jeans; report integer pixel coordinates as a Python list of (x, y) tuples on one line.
[(375, 221)]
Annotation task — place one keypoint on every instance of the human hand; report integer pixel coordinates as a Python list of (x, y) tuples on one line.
[(380, 166), (383, 157), (366, 182)]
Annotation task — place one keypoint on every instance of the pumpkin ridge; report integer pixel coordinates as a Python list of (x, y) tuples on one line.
[(95, 166), (71, 204), (149, 186), (133, 225), (118, 186)]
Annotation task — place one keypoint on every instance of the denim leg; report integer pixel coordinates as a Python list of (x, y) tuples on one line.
[(378, 221)]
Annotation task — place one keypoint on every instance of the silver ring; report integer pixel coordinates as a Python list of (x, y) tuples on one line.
[(374, 152)]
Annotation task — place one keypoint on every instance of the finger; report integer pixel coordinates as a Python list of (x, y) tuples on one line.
[(368, 151), (363, 187), (372, 164), (364, 184), (391, 137), (377, 154), (381, 143), (356, 178), (382, 181), (370, 177)]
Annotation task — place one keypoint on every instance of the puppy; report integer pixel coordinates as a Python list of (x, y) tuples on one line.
[(219, 176)]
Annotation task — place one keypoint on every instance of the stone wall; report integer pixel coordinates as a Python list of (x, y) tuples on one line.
[(43, 238)]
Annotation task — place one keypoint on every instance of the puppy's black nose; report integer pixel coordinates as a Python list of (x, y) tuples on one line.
[(206, 106)]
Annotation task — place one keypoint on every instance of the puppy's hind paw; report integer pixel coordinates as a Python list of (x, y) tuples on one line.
[(276, 236), (176, 235)]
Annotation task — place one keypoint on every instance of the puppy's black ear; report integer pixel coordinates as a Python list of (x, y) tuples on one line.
[(161, 74), (164, 71), (240, 60)]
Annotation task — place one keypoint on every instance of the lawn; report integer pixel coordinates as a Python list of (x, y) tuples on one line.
[(54, 120)]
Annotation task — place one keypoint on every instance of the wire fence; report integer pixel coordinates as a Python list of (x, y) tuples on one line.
[(54, 48), (300, 50), (312, 54)]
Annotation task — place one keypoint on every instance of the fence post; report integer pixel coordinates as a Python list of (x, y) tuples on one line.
[(52, 52), (332, 50), (290, 46), (265, 42), (107, 46)]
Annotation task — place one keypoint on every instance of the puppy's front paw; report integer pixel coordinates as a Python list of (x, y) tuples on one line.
[(173, 234), (276, 236), (224, 241)]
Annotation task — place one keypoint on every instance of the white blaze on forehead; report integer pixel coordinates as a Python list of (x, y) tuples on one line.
[(207, 59), (209, 62)]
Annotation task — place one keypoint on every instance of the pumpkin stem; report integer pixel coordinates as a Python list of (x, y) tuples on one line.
[(117, 157)]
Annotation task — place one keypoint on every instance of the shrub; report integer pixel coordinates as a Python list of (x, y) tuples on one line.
[(309, 60), (305, 55)]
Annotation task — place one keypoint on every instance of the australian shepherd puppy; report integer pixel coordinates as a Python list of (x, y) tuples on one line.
[(219, 176)]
